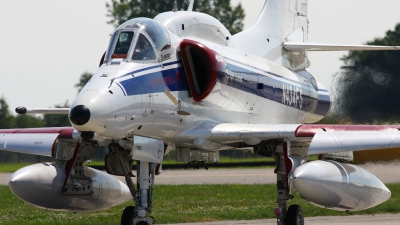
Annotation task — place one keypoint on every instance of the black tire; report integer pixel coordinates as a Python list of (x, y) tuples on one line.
[(294, 215), (142, 223), (128, 215)]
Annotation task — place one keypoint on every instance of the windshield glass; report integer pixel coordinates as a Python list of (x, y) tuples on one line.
[(143, 49), (152, 41), (110, 46), (157, 33), (123, 44)]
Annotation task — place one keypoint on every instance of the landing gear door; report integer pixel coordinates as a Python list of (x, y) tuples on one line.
[(148, 149)]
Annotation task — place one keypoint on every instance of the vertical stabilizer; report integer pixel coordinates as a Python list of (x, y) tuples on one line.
[(279, 21)]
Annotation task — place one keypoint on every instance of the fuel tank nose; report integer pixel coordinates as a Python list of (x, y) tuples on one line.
[(339, 186), (18, 181), (41, 185), (79, 115), (20, 184)]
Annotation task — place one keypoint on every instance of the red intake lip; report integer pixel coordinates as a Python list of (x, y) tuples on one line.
[(202, 66)]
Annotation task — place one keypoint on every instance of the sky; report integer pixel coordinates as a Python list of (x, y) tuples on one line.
[(46, 45)]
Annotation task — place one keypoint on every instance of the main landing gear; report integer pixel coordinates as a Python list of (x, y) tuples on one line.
[(197, 165), (294, 215), (285, 166)]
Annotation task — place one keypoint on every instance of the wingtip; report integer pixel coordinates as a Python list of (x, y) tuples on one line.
[(20, 110)]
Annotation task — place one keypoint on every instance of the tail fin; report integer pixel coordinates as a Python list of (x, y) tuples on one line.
[(279, 21)]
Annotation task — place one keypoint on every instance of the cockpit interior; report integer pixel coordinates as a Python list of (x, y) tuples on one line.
[(139, 40)]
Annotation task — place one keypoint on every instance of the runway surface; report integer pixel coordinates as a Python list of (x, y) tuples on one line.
[(386, 173), (381, 219)]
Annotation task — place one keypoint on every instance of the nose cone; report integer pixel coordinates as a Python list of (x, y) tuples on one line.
[(79, 115), (91, 111)]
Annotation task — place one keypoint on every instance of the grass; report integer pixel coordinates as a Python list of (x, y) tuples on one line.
[(184, 203), (12, 167)]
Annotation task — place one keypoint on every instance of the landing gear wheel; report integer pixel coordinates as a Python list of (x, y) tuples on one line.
[(294, 215), (128, 215)]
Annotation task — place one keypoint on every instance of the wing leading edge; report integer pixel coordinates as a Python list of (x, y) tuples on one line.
[(320, 139), (35, 141)]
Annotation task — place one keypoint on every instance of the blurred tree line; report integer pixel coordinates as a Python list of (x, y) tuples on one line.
[(123, 10), (366, 89)]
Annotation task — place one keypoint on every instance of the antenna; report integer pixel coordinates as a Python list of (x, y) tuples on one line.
[(175, 6), (190, 8)]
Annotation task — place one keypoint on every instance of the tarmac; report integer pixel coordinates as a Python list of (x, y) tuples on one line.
[(388, 173), (381, 219)]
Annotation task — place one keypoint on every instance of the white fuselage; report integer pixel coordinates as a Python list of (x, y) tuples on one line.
[(153, 99)]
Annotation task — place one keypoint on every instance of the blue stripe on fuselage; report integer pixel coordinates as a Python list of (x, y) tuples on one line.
[(123, 90), (260, 70), (174, 79), (272, 88)]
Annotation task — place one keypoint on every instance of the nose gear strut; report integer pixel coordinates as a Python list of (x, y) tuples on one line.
[(148, 154)]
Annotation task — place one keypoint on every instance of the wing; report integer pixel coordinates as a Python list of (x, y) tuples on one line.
[(341, 138), (303, 46), (318, 139), (36, 141)]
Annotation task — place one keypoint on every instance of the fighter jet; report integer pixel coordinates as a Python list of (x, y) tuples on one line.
[(182, 82)]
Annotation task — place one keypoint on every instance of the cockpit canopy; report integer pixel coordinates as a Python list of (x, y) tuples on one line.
[(140, 39)]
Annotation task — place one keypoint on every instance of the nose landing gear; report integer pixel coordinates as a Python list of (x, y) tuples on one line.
[(148, 154), (137, 215), (128, 215)]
